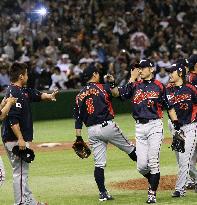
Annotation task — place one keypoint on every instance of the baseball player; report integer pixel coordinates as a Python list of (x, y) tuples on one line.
[(17, 129), (5, 107), (94, 109), (147, 100), (192, 78), (184, 98)]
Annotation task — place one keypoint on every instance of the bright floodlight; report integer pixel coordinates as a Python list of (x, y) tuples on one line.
[(42, 11)]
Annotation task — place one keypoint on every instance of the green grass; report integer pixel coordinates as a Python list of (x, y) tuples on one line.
[(60, 178), (63, 130)]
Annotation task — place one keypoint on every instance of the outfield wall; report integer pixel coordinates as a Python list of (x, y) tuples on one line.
[(63, 107)]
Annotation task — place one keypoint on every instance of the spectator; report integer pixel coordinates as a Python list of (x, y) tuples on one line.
[(162, 76), (64, 64), (59, 79), (4, 78), (9, 50), (75, 29)]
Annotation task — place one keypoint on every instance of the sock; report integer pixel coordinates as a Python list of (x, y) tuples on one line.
[(147, 176), (99, 178), (154, 181), (133, 155)]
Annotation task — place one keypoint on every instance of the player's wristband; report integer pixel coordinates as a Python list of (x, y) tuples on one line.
[(79, 138), (112, 84)]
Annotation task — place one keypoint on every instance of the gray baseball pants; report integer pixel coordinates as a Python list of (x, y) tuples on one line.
[(193, 170), (22, 193), (149, 138), (100, 136), (184, 159), (2, 172)]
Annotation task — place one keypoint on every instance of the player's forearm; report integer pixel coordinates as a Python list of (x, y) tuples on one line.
[(78, 132), (17, 131), (172, 115), (5, 110), (46, 96), (3, 103), (49, 96)]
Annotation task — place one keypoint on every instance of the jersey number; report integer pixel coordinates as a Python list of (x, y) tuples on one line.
[(183, 106), (150, 103), (90, 106)]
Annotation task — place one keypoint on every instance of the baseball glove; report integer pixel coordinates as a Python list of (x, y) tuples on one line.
[(81, 148), (26, 155), (178, 142)]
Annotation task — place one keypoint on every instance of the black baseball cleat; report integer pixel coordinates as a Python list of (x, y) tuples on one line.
[(104, 196), (177, 194), (151, 197), (190, 186)]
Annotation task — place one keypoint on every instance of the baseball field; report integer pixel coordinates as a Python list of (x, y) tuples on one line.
[(59, 177)]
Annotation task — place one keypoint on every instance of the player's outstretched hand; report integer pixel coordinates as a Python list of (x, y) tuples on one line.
[(50, 97), (53, 95)]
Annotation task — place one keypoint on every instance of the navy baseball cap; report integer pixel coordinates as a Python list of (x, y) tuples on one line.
[(183, 61), (144, 63), (88, 72), (192, 61), (178, 67)]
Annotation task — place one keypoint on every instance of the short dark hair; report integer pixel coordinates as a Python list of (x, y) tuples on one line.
[(89, 71), (16, 70), (57, 69)]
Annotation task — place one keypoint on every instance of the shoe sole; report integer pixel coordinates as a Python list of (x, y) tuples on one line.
[(150, 202), (105, 199), (178, 196)]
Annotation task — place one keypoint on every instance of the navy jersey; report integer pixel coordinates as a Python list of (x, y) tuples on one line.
[(184, 99), (147, 99), (93, 105), (192, 78), (20, 113)]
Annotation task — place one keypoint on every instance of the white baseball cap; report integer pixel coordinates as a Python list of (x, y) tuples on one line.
[(65, 56)]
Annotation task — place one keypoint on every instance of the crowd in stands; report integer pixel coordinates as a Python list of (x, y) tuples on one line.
[(112, 33)]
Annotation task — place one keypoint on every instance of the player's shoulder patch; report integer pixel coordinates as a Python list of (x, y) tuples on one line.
[(18, 105), (193, 88), (158, 83)]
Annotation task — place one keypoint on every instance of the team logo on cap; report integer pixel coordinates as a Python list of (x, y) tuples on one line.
[(150, 64), (142, 61)]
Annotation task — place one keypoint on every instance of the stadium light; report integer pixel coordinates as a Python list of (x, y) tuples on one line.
[(41, 11)]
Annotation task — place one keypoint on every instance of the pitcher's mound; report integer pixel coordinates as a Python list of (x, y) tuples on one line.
[(166, 183)]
